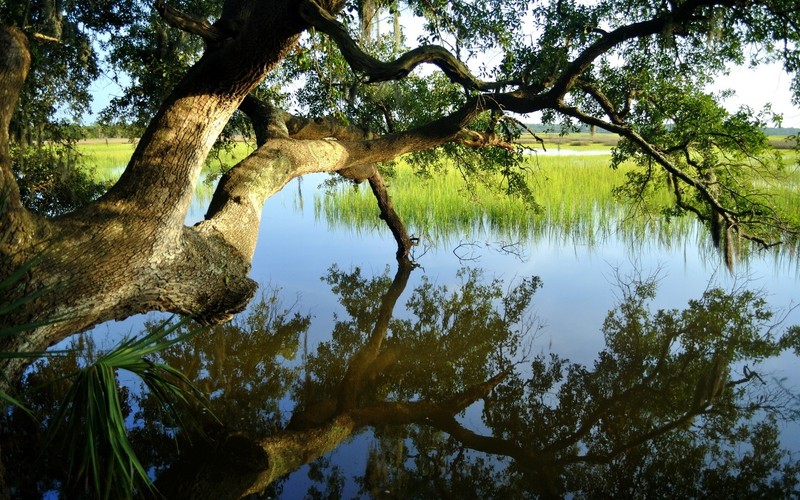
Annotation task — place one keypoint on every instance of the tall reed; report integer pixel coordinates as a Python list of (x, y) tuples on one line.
[(574, 197)]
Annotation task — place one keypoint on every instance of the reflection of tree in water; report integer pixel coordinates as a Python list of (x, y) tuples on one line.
[(670, 407)]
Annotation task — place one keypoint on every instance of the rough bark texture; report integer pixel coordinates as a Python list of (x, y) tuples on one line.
[(129, 252), (17, 227)]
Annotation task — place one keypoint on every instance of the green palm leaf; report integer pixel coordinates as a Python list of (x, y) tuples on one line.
[(91, 420)]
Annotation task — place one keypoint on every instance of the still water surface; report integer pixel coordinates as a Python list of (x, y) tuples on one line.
[(578, 288), (444, 345)]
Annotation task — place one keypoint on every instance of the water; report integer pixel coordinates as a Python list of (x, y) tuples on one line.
[(579, 287)]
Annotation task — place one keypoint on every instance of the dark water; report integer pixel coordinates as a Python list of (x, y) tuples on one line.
[(674, 405)]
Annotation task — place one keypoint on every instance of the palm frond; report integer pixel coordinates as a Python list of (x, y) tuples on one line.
[(91, 420), (6, 285)]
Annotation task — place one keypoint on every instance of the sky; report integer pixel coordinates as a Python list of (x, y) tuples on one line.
[(757, 87)]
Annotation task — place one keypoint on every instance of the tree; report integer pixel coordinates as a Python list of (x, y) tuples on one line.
[(636, 74), (52, 177)]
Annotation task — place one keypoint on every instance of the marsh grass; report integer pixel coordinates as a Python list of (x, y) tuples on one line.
[(574, 204), (573, 194), (107, 158)]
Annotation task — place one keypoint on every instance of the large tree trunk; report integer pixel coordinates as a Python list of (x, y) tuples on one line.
[(129, 252)]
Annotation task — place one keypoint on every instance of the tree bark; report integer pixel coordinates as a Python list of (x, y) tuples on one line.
[(129, 252)]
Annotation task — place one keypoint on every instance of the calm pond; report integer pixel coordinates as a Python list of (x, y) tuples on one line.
[(523, 382)]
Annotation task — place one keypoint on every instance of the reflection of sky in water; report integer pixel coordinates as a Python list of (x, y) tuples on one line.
[(295, 250)]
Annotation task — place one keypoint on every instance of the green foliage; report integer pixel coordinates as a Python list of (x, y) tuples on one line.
[(8, 288), (53, 179), (714, 164), (65, 59), (194, 382), (237, 367), (156, 57), (90, 421)]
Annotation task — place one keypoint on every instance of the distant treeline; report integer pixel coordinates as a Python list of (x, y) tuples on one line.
[(542, 128), (781, 131), (105, 130)]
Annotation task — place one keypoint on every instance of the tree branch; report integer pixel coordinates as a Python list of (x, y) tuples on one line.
[(379, 71), (16, 223), (392, 219), (212, 34), (611, 39)]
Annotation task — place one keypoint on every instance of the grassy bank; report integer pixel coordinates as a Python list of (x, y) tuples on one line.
[(573, 194), (107, 157)]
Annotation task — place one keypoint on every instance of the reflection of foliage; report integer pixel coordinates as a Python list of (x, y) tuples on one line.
[(657, 407), (239, 366), (90, 419), (671, 405), (455, 338), (662, 405)]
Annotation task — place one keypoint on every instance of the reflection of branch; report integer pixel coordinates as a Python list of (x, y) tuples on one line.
[(464, 257), (601, 458), (353, 381), (467, 251)]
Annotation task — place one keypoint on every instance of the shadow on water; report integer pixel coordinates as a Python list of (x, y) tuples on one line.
[(449, 391)]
